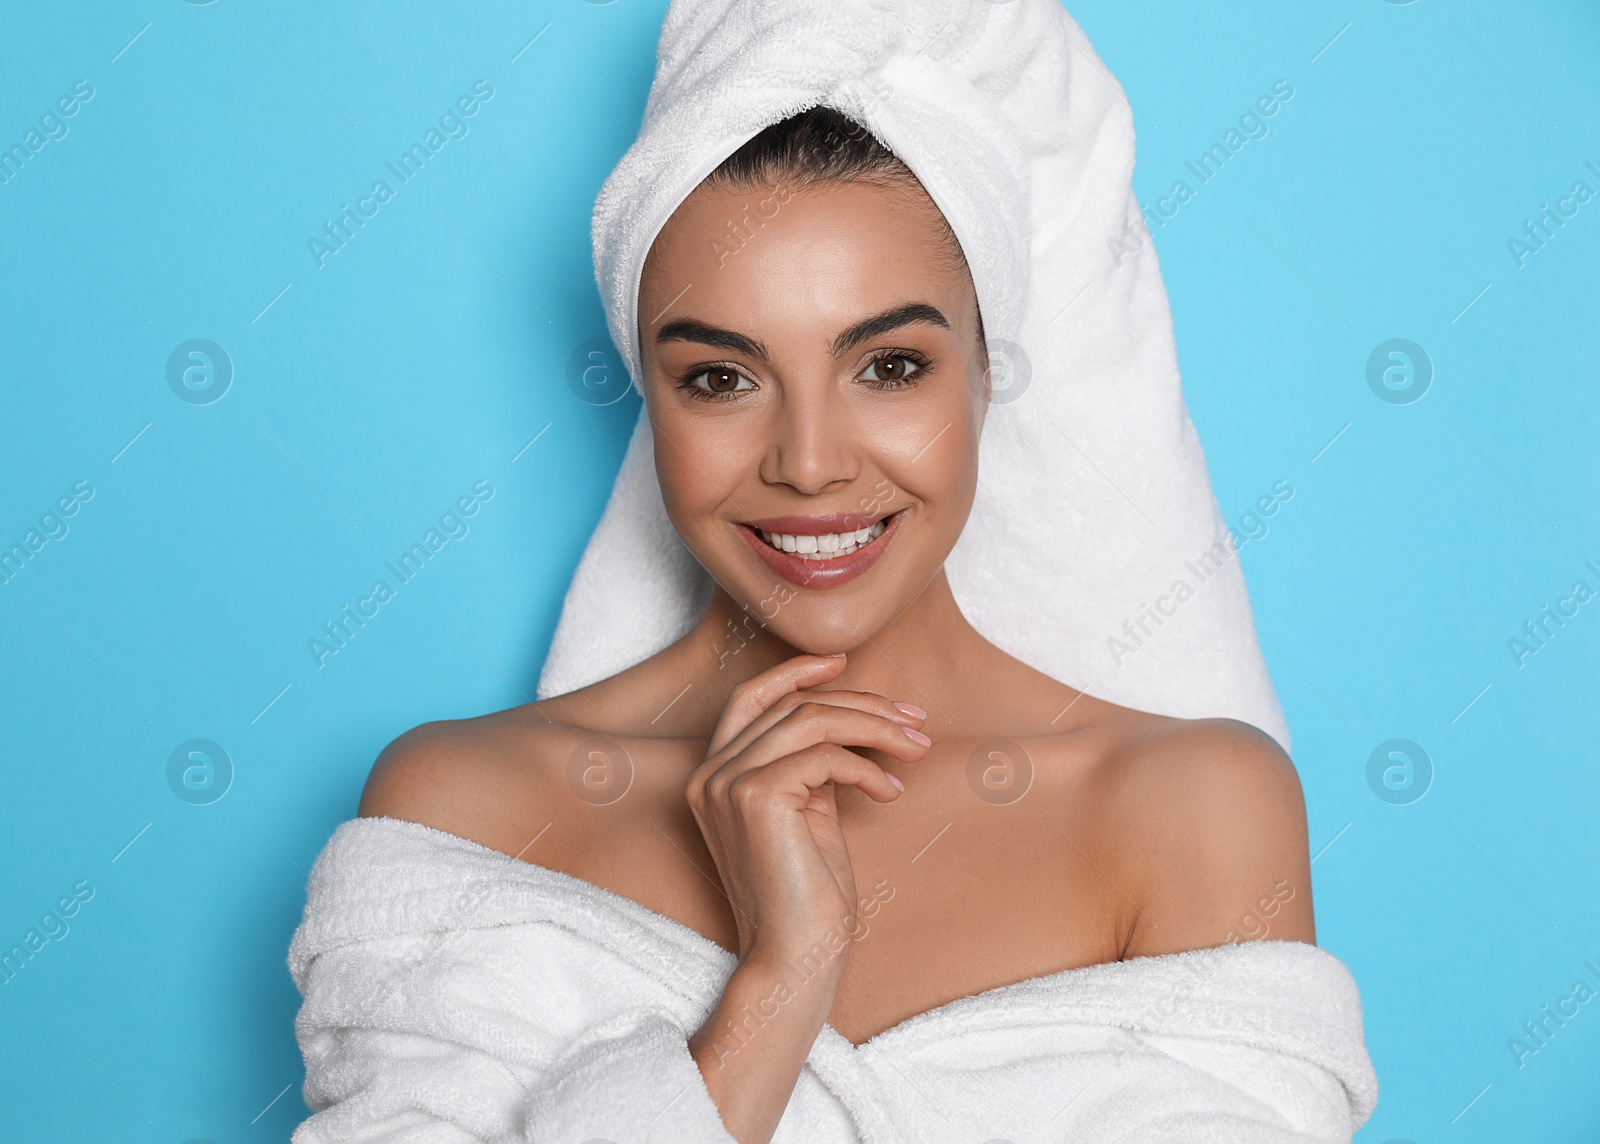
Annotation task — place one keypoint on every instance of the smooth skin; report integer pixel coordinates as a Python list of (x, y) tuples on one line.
[(765, 807)]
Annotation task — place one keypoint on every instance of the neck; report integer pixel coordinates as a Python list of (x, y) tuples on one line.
[(919, 657)]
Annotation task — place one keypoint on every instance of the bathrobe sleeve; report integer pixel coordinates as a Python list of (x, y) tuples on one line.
[(630, 1080), (449, 1070)]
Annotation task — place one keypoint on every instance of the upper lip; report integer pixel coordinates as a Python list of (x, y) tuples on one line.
[(835, 523)]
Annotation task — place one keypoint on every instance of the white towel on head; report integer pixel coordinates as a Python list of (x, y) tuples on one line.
[(1095, 551), (454, 994)]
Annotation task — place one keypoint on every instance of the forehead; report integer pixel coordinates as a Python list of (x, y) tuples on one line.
[(819, 258)]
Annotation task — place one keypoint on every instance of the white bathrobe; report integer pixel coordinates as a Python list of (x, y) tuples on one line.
[(455, 994)]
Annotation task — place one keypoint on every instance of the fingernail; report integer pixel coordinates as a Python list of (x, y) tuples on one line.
[(911, 709), (833, 655), (898, 785), (917, 737)]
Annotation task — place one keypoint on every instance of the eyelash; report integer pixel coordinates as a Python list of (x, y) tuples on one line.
[(687, 382)]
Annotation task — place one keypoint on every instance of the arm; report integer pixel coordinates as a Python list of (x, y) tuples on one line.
[(765, 804), (763, 798)]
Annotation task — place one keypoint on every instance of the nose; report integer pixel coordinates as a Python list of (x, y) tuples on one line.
[(811, 446)]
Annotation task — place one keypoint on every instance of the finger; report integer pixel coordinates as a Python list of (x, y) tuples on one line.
[(750, 698), (812, 724), (795, 777), (868, 701)]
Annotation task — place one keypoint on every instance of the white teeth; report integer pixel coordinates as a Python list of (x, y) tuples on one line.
[(827, 546)]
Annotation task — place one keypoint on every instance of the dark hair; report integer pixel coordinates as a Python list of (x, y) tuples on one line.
[(821, 145)]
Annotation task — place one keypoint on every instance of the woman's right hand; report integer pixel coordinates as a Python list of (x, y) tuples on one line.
[(764, 800)]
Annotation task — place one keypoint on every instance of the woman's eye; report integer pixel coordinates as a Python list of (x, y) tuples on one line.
[(716, 382), (891, 369)]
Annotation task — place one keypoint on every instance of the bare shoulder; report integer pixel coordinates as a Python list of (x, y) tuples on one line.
[(1216, 815), (483, 778), (567, 783)]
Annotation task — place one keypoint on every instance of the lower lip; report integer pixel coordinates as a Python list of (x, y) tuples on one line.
[(819, 574)]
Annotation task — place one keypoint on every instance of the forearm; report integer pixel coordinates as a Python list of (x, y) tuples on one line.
[(751, 1048)]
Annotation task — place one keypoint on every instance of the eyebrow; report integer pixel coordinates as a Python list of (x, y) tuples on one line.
[(692, 330), (909, 314)]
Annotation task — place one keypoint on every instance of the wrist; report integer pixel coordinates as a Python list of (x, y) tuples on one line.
[(800, 956)]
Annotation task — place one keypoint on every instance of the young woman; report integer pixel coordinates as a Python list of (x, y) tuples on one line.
[(833, 776)]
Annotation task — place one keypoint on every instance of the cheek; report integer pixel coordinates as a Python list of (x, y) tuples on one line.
[(700, 464), (949, 471), (930, 450)]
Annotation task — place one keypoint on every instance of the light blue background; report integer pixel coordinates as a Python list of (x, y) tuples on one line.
[(373, 391)]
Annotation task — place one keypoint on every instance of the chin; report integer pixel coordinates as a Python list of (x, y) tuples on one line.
[(823, 636), (828, 621)]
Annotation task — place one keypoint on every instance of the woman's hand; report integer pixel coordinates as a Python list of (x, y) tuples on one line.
[(764, 800)]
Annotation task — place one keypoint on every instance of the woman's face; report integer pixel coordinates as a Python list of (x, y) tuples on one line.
[(812, 370)]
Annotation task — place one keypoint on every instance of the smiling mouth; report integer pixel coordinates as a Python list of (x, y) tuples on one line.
[(825, 546), (811, 558)]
